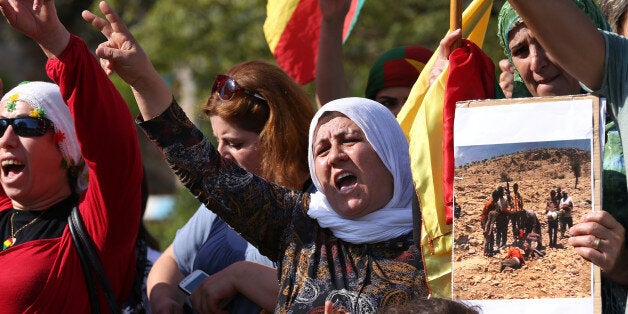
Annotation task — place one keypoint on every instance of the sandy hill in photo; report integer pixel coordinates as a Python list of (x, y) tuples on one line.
[(561, 273)]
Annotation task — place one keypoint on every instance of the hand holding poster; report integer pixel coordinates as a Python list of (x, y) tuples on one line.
[(511, 249)]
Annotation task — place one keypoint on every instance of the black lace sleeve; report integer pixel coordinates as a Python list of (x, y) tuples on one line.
[(259, 210)]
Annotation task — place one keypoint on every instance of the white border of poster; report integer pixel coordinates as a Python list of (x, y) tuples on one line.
[(533, 120)]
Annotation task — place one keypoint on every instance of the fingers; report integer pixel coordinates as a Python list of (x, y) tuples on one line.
[(444, 48), (592, 255), (603, 218), (116, 23), (598, 238), (37, 4), (107, 57), (506, 82), (588, 241), (8, 12), (99, 23), (505, 66)]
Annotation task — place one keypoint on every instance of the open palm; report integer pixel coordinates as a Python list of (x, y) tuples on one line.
[(34, 23)]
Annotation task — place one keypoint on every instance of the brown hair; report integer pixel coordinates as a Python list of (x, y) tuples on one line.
[(282, 122)]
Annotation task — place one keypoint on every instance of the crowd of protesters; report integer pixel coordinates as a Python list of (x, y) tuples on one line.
[(329, 213)]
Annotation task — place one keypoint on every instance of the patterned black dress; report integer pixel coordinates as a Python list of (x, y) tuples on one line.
[(314, 265)]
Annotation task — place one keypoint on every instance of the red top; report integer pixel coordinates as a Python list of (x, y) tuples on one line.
[(514, 251), (487, 208), (45, 275)]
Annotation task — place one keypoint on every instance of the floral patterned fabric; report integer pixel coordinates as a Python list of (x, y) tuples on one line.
[(314, 265)]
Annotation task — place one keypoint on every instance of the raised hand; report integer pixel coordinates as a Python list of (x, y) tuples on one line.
[(38, 20), (444, 50), (334, 9), (121, 53)]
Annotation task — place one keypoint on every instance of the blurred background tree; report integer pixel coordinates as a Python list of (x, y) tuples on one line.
[(192, 41)]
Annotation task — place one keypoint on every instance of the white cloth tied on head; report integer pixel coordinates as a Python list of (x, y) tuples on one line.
[(46, 96), (385, 135)]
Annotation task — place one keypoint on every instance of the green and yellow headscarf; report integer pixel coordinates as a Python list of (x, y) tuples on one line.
[(508, 19)]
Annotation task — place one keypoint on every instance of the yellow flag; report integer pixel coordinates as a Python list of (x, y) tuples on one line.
[(422, 121)]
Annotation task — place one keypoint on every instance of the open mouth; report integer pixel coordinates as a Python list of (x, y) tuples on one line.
[(11, 167), (345, 182)]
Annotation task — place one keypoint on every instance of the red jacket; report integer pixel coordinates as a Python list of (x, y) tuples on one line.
[(45, 275)]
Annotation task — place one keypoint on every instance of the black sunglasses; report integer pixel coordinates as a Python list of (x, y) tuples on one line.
[(26, 126), (227, 87)]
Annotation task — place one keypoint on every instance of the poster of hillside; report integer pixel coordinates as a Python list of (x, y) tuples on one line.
[(524, 173)]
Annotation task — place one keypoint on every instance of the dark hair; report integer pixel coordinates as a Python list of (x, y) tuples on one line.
[(434, 306), (495, 195)]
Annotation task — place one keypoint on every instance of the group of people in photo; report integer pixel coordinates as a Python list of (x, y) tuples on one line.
[(506, 207), (303, 208)]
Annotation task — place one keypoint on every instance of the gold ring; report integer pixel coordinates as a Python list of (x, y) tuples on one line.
[(596, 243)]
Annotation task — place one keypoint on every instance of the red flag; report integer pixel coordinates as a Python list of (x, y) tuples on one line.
[(471, 76), (292, 29)]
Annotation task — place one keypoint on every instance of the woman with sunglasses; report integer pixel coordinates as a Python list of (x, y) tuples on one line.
[(64, 145), (259, 117), (349, 243)]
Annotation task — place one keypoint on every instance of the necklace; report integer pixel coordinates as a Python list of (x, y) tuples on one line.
[(11, 240)]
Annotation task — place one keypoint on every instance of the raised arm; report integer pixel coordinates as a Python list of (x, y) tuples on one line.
[(121, 53), (567, 34), (38, 20), (330, 75)]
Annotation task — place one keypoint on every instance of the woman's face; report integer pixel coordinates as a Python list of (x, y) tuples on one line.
[(539, 71), (237, 144), (353, 178), (32, 172), (393, 97)]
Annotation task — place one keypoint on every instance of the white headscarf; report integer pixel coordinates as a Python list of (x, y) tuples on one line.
[(385, 135), (46, 100)]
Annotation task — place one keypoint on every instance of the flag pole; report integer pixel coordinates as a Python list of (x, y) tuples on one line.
[(455, 19)]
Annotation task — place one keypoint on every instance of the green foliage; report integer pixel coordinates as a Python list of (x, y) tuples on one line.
[(210, 36)]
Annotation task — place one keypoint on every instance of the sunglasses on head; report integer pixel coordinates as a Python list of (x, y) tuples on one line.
[(227, 87), (26, 126)]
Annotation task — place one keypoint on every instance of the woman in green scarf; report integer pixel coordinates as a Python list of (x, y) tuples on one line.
[(536, 73)]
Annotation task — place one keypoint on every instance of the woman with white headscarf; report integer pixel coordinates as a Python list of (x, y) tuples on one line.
[(64, 145), (350, 243)]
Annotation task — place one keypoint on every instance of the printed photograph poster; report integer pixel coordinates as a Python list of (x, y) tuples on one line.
[(525, 171)]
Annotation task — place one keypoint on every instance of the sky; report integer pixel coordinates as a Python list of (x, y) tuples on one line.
[(466, 154)]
